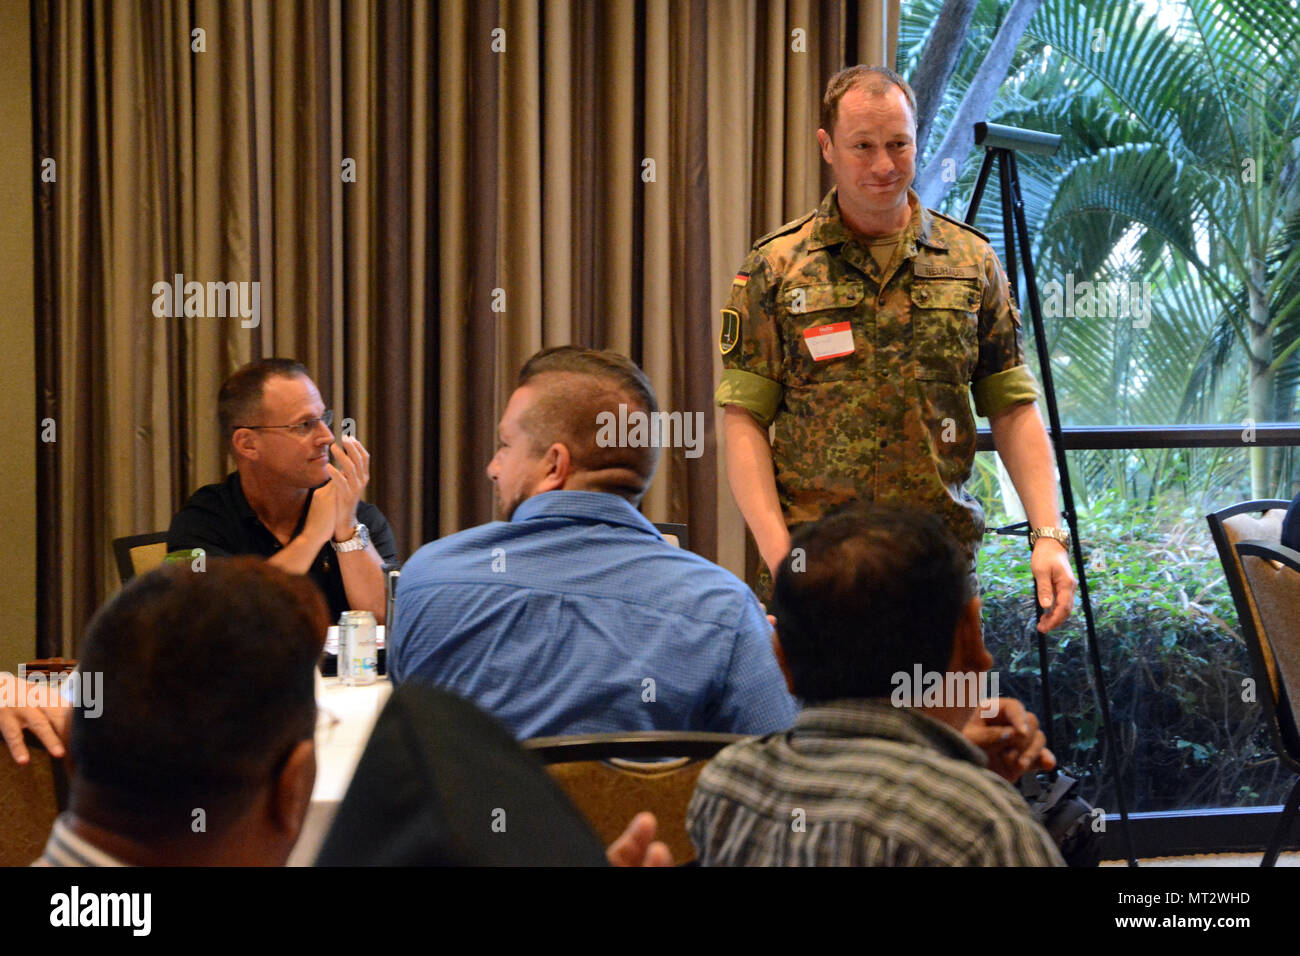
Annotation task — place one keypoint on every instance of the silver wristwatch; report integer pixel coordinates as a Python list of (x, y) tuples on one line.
[(1056, 534), (359, 541)]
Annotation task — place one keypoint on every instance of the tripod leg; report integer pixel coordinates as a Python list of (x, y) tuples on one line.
[(1067, 496), (1008, 223), (1283, 825), (981, 181)]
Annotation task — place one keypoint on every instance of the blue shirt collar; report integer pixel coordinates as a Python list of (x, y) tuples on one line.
[(588, 506)]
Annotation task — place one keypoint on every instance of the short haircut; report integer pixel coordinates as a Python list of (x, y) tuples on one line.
[(875, 80), (240, 400), (864, 594), (575, 385), (208, 683)]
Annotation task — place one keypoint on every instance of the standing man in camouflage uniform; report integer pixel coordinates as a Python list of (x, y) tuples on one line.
[(861, 331)]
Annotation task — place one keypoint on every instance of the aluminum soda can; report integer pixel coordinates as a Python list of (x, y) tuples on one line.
[(358, 648)]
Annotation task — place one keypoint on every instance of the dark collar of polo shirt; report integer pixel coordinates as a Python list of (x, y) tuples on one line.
[(258, 539)]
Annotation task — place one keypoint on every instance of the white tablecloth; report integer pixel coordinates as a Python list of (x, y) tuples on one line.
[(347, 715)]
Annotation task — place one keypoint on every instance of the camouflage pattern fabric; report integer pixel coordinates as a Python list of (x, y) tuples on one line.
[(885, 414)]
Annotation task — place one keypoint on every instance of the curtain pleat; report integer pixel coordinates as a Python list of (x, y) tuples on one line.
[(426, 193), (661, 202), (557, 123)]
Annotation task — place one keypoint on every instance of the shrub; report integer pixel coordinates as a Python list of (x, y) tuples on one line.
[(1176, 668)]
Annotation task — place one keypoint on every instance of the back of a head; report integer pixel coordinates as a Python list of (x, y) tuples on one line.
[(864, 594), (207, 682), (574, 387)]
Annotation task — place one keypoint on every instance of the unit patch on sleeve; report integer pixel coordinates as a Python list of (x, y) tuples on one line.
[(730, 333)]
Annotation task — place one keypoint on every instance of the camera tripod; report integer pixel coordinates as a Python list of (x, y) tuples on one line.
[(1000, 144)]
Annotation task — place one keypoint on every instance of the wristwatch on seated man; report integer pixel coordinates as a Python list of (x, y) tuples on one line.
[(1056, 534), (359, 541)]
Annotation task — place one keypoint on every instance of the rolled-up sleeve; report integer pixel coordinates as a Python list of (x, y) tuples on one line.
[(750, 342), (996, 393), (1001, 378)]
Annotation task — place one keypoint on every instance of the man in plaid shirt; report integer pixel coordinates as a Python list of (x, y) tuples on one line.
[(895, 760)]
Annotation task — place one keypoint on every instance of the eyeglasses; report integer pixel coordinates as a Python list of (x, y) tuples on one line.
[(300, 429)]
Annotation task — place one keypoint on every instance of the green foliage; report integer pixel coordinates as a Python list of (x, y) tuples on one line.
[(1173, 658), (1179, 170), (1190, 192)]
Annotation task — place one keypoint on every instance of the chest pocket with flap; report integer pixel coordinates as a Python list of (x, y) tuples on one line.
[(817, 304), (945, 328)]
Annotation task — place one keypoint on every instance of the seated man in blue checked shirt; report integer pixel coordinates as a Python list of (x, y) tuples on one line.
[(875, 622), (573, 615)]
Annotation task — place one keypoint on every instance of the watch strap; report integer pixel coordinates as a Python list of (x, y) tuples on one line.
[(359, 541), (1056, 534)]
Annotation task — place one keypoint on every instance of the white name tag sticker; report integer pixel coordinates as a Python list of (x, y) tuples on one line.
[(829, 341)]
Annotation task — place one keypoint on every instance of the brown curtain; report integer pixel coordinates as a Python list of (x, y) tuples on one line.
[(427, 193)]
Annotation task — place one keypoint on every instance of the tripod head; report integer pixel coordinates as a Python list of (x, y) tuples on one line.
[(994, 136)]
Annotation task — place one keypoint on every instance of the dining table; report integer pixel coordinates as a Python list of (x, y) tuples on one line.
[(345, 716)]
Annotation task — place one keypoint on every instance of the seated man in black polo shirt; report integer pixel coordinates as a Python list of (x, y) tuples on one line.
[(285, 501)]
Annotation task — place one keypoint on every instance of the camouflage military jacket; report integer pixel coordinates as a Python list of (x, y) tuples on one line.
[(866, 375)]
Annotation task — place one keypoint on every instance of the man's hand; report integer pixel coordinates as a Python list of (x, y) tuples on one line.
[(1010, 739), (638, 846), (1021, 440), (348, 476), (753, 484), (37, 708), (1054, 581), (322, 516)]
